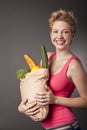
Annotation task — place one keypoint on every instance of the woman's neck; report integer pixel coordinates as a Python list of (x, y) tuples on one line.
[(62, 55)]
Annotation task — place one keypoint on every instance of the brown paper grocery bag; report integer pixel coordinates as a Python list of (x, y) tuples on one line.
[(33, 83)]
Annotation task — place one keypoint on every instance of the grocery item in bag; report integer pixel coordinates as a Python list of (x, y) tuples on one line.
[(33, 83)]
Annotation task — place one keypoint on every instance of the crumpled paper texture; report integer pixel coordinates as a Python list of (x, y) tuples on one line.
[(34, 82)]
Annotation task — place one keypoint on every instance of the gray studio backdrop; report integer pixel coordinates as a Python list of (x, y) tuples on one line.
[(23, 28)]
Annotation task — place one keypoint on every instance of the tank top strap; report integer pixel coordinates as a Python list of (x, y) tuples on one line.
[(69, 61), (51, 56)]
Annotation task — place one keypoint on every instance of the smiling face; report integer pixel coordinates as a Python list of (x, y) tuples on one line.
[(61, 35)]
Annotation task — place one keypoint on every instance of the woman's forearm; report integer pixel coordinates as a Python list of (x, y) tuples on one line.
[(77, 102)]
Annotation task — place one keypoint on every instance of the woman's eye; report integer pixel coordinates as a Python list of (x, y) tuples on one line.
[(55, 31), (66, 32)]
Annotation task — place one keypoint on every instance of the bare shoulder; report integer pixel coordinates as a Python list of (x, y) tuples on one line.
[(76, 67), (78, 75), (75, 64)]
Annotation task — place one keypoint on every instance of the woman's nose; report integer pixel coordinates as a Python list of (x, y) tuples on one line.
[(59, 35)]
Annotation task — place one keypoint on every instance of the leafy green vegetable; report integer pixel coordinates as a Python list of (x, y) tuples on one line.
[(20, 74)]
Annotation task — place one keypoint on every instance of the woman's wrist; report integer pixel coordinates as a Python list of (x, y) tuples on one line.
[(55, 100)]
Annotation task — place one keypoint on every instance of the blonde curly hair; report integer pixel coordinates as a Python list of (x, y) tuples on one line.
[(63, 15)]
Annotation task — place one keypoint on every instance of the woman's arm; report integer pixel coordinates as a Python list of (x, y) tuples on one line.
[(77, 74)]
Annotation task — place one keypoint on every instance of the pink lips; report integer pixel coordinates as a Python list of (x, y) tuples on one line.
[(60, 42)]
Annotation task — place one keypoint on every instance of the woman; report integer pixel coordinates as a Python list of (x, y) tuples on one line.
[(66, 74)]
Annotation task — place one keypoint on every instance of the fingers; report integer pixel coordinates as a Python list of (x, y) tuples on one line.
[(32, 110), (43, 102), (31, 104), (25, 101), (24, 105), (22, 108), (42, 98), (29, 108)]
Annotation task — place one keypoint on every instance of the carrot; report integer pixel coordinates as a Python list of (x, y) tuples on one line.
[(29, 61)]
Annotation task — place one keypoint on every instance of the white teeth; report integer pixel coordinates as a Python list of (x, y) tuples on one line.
[(59, 42)]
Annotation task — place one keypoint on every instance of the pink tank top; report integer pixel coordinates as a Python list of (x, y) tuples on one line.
[(61, 86)]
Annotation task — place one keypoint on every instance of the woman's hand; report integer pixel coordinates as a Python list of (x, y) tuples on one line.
[(29, 109), (45, 98), (22, 106)]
